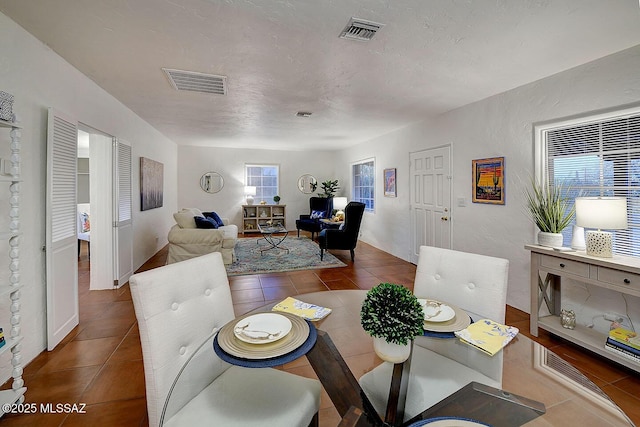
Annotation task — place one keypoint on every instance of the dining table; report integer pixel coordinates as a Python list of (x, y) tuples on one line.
[(340, 352)]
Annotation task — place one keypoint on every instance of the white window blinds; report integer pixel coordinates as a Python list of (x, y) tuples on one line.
[(599, 158)]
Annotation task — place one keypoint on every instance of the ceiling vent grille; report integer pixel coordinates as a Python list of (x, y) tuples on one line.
[(303, 114), (360, 29), (197, 82)]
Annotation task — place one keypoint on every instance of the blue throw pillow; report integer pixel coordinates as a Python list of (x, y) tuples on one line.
[(202, 222), (317, 214), (215, 217)]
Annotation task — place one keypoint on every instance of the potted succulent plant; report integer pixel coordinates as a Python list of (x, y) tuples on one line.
[(392, 315), (551, 210), (276, 199)]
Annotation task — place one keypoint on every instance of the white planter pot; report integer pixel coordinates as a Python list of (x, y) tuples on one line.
[(394, 353), (552, 240)]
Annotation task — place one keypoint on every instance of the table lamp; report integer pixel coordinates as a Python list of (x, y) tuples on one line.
[(609, 213), (339, 203), (250, 191)]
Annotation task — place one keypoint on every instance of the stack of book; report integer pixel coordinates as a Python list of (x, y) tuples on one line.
[(624, 343), (2, 341)]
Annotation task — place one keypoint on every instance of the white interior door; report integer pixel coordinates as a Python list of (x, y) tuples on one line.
[(101, 185), (430, 188), (122, 213), (61, 228)]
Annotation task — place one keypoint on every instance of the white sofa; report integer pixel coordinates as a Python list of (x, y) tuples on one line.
[(187, 241)]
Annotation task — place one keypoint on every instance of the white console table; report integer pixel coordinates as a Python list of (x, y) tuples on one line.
[(549, 267)]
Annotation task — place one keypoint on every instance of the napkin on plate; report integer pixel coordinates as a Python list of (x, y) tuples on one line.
[(487, 336), (302, 309)]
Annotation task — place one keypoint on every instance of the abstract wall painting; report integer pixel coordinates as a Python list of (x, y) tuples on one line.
[(390, 183), (151, 184)]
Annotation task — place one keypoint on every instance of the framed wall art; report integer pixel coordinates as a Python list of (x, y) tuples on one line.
[(151, 184), (390, 182), (488, 181)]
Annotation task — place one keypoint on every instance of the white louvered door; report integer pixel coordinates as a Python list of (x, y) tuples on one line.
[(122, 213), (61, 228)]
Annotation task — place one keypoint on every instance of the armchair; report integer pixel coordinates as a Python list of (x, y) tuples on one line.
[(317, 206), (187, 241), (346, 237)]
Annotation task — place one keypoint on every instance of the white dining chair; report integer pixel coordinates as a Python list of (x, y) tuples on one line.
[(179, 307), (439, 367)]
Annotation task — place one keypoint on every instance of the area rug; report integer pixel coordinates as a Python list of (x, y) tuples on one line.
[(303, 254)]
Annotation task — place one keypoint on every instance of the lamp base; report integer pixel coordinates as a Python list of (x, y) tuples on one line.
[(600, 244), (249, 200)]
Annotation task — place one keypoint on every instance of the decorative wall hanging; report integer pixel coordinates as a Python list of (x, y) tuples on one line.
[(151, 184), (488, 180), (390, 182)]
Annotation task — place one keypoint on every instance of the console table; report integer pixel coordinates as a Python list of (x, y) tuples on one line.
[(549, 267)]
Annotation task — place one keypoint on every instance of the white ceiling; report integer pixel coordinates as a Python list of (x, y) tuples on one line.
[(285, 56)]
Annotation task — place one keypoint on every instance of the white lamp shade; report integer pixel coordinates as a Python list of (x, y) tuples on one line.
[(607, 213), (250, 190), (339, 203)]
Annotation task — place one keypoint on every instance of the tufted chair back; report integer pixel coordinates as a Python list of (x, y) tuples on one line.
[(439, 367), (475, 283), (178, 306)]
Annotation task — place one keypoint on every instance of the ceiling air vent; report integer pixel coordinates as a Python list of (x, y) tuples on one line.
[(360, 29), (197, 82), (303, 114)]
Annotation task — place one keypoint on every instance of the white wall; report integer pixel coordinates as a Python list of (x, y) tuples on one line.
[(193, 162), (498, 126), (39, 78)]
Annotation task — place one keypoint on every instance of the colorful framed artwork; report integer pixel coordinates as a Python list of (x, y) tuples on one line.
[(390, 182), (151, 184), (488, 181)]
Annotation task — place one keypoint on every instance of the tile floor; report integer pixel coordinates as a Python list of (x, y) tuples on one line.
[(100, 362)]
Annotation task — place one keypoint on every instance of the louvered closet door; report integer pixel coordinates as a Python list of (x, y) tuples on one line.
[(122, 213), (61, 228)]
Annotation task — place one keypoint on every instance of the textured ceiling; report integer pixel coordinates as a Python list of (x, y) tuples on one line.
[(282, 57)]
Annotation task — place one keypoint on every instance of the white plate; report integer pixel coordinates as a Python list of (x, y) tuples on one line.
[(262, 328), (446, 313)]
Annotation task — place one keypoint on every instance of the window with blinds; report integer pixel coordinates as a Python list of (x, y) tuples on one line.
[(597, 156)]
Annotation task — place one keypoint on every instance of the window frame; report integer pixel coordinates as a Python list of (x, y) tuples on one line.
[(542, 164), (358, 198), (260, 194)]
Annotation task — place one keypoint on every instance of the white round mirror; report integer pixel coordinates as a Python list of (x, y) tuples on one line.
[(307, 183), (211, 182)]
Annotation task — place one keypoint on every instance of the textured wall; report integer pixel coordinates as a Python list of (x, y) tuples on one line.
[(39, 78), (230, 163), (498, 126)]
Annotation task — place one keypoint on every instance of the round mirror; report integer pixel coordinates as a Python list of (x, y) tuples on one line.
[(307, 183), (211, 182)]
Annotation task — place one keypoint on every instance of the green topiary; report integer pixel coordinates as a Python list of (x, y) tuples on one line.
[(392, 312)]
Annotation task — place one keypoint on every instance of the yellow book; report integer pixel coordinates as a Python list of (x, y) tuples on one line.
[(302, 309), (625, 336), (487, 335)]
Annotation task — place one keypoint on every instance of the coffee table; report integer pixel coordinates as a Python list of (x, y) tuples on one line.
[(268, 234), (344, 352)]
